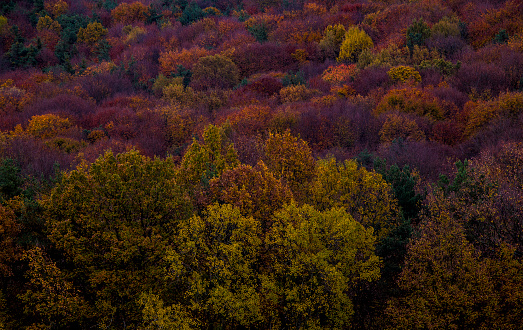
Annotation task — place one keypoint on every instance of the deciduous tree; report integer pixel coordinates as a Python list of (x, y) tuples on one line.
[(215, 71), (207, 159), (289, 159), (254, 190), (110, 223), (215, 267), (92, 33), (363, 194), (317, 260), (443, 280), (332, 39), (354, 42)]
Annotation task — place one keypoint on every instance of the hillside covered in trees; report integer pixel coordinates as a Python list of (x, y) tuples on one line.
[(271, 164)]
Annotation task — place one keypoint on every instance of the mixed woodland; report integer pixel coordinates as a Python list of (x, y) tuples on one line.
[(268, 164)]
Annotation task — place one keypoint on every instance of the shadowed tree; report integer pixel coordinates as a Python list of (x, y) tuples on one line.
[(108, 224)]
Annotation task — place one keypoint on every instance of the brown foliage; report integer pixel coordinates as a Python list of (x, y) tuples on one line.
[(289, 159), (170, 60), (400, 126), (484, 27), (212, 72), (9, 231), (254, 190), (411, 100), (250, 120), (130, 12)]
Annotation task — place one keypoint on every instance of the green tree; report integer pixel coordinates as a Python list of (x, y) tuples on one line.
[(37, 11), (66, 47), (260, 31), (332, 39), (403, 182), (109, 225), (6, 6), (417, 33), (102, 50), (206, 160), (501, 37), (191, 13), (22, 56), (10, 179)]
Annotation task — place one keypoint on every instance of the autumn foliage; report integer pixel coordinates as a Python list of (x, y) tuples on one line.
[(261, 164)]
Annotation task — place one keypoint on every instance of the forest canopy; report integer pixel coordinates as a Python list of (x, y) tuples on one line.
[(275, 164)]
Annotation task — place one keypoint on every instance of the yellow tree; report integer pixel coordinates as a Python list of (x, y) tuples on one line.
[(10, 252), (47, 126), (56, 8), (92, 33), (398, 126), (128, 13), (206, 160), (3, 24), (254, 190), (51, 297), (47, 23), (444, 283), (403, 73), (318, 259), (214, 266), (290, 159), (354, 42), (332, 39), (365, 195), (215, 71), (464, 269)]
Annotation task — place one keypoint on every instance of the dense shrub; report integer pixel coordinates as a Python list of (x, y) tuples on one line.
[(214, 72), (481, 78), (264, 57), (411, 100), (371, 78), (267, 86), (105, 85)]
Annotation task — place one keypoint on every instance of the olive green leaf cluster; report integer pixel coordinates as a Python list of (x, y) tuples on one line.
[(129, 243)]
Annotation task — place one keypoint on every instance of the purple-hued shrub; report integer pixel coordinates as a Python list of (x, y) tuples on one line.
[(371, 78), (481, 78)]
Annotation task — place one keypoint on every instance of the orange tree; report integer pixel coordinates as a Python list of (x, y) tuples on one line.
[(130, 13)]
